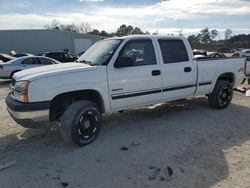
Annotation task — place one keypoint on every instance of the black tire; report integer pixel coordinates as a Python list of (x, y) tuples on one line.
[(81, 123), (222, 95)]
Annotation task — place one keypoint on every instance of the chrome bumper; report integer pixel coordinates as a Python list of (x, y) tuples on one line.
[(29, 115), (36, 116)]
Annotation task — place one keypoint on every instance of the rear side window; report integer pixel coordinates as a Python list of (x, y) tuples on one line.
[(45, 61), (173, 51), (30, 61)]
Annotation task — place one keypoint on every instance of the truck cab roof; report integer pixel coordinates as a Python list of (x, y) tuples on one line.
[(149, 36)]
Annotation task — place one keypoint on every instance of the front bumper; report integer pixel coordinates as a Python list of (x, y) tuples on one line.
[(29, 115)]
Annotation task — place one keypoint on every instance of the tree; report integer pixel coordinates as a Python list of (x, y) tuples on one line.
[(79, 28), (213, 34), (95, 32), (121, 31), (84, 28), (104, 33), (125, 30), (204, 36), (137, 31), (180, 32), (129, 29), (194, 41), (228, 33), (54, 25)]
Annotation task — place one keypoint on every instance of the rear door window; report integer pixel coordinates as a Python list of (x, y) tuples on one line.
[(45, 61), (173, 51)]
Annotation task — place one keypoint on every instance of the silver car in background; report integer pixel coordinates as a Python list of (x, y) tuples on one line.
[(8, 69)]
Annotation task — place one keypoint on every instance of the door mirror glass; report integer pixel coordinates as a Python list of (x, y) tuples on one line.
[(123, 62)]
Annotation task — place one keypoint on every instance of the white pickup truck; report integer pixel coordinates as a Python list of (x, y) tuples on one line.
[(117, 74)]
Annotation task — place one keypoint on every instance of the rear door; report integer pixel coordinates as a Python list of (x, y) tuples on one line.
[(138, 84), (45, 61), (179, 71), (30, 62)]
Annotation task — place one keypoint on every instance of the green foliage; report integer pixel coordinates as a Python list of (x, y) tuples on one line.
[(214, 34), (125, 30), (228, 34), (206, 40), (78, 28)]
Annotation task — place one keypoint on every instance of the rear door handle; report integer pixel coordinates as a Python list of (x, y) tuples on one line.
[(156, 72), (187, 69)]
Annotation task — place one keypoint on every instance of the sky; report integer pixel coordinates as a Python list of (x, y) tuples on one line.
[(164, 16)]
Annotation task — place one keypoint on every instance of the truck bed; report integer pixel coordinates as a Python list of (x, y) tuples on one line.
[(210, 68)]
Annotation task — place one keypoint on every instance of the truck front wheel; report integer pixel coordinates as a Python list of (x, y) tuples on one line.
[(222, 95), (81, 123)]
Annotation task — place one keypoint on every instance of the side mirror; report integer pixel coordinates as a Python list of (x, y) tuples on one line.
[(123, 62)]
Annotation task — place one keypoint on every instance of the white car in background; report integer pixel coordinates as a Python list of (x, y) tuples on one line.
[(8, 69)]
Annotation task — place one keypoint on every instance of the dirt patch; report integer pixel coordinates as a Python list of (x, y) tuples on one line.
[(181, 144)]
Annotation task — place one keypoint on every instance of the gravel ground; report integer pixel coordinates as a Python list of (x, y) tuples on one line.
[(181, 144)]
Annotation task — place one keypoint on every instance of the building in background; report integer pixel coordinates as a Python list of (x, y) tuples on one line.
[(39, 41)]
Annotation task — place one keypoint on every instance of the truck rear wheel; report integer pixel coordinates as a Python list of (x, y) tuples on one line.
[(81, 123), (222, 95)]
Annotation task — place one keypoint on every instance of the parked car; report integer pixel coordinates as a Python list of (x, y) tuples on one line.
[(199, 56), (22, 55), (110, 77), (245, 53), (8, 69), (60, 56), (236, 54), (225, 50), (213, 55), (199, 52), (216, 55), (6, 57)]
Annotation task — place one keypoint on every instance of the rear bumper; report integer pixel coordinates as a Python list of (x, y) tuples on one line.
[(29, 115)]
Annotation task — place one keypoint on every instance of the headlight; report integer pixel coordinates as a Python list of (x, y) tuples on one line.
[(21, 86), (21, 91)]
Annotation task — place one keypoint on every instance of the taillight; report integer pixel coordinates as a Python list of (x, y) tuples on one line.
[(1, 67)]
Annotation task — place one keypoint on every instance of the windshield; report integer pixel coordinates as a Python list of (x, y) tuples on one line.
[(100, 53)]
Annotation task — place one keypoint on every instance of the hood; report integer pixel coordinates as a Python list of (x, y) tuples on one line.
[(51, 70)]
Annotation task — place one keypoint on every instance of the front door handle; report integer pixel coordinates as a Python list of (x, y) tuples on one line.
[(187, 69), (156, 72)]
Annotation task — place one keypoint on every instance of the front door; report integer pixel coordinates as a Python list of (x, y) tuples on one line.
[(139, 84)]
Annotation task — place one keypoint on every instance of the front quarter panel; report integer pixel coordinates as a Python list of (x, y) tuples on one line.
[(45, 89)]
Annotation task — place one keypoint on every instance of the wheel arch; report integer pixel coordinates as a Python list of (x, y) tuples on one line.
[(61, 101), (13, 72), (229, 76)]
